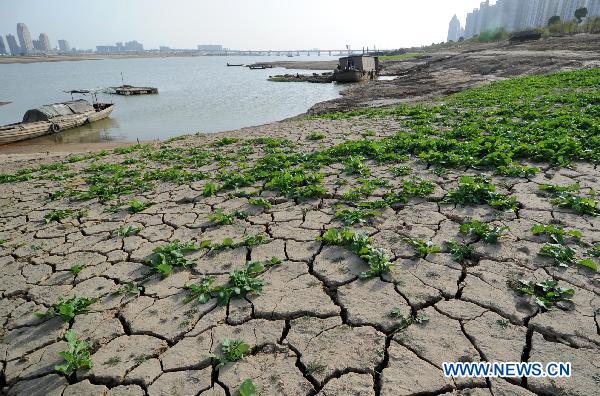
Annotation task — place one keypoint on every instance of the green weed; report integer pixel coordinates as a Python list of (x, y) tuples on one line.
[(57, 215), (76, 269), (128, 230), (479, 190), (360, 244), (460, 251), (350, 217), (77, 355), (422, 248), (482, 230), (354, 165), (222, 218), (247, 388), (316, 136), (136, 206), (516, 170), (265, 203), (165, 258), (546, 293), (556, 233), (564, 256), (68, 309), (210, 189)]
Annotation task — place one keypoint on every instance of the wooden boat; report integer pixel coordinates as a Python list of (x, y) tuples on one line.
[(351, 76), (356, 68), (54, 118), (127, 90), (235, 64), (260, 66)]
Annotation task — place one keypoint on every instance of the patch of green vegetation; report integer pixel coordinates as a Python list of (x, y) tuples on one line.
[(77, 355), (422, 248), (210, 189), (226, 141), (361, 245), (298, 184), (175, 174), (316, 136), (234, 180), (354, 165), (564, 256), (228, 243), (479, 190), (112, 361), (460, 251), (136, 206), (402, 170), (564, 197), (247, 388), (396, 314), (57, 215), (359, 216), (222, 218), (265, 203), (165, 258), (68, 309), (484, 231), (128, 230), (516, 170), (129, 288), (546, 293), (556, 233), (76, 269), (233, 351), (315, 368), (200, 292)]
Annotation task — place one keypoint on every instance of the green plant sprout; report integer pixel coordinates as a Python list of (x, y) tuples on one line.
[(77, 355)]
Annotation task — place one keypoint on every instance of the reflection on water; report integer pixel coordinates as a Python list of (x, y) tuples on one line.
[(195, 94)]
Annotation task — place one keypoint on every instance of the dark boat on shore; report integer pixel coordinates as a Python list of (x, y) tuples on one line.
[(356, 68), (235, 64), (53, 118), (260, 66)]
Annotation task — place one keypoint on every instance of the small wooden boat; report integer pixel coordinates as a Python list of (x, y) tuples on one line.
[(127, 90), (50, 119), (235, 64), (350, 76)]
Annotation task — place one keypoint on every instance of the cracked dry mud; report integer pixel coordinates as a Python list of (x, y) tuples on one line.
[(316, 328)]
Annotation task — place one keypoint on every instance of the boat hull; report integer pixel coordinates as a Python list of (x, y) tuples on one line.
[(23, 131), (351, 76)]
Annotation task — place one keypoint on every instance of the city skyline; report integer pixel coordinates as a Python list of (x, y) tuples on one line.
[(513, 15), (263, 24)]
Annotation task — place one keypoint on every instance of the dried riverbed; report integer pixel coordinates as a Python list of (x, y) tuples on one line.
[(70, 229)]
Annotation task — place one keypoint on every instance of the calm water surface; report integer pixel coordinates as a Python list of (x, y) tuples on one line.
[(198, 94)]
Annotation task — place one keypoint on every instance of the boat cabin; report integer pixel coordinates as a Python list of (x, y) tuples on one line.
[(48, 112), (359, 62)]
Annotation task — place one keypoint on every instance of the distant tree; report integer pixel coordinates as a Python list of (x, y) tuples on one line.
[(553, 20), (581, 13)]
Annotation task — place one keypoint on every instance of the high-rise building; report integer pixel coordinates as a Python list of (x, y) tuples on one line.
[(454, 29), (12, 45), (36, 45), (25, 41), (63, 46), (513, 15), (3, 50), (45, 45)]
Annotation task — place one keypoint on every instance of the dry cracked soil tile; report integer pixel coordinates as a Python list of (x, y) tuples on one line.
[(22, 340), (336, 265), (487, 285), (49, 385), (272, 370), (113, 361), (574, 323), (85, 388), (460, 310), (221, 262), (496, 337), (126, 390), (351, 384), (292, 230), (35, 364), (275, 248), (407, 374), (284, 285), (98, 327), (181, 383), (411, 287), (439, 339), (585, 368), (195, 352), (443, 277), (371, 302), (145, 373), (328, 347), (302, 251), (168, 318), (500, 387)]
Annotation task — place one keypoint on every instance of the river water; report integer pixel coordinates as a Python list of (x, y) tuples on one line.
[(196, 94)]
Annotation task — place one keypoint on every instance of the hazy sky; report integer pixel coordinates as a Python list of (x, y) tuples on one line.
[(239, 24)]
